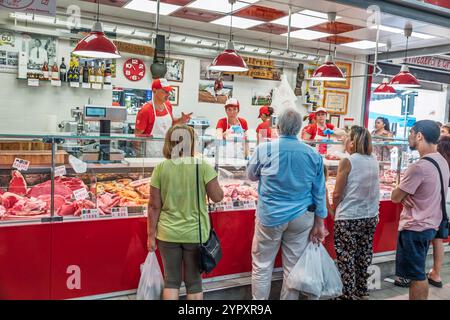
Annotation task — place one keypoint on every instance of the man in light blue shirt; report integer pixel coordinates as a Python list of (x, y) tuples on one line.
[(291, 186)]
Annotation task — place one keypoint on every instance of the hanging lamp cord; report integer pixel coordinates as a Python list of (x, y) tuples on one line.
[(98, 10), (231, 20), (406, 51)]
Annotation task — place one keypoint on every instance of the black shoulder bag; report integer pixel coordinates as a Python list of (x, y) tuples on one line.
[(442, 232), (210, 252)]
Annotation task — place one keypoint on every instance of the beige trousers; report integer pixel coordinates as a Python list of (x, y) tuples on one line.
[(293, 238)]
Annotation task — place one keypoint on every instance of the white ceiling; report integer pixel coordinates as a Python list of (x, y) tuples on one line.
[(349, 15)]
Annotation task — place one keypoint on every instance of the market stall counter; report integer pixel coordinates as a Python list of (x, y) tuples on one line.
[(72, 227)]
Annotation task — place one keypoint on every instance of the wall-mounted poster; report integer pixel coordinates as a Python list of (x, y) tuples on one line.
[(10, 43), (261, 97), (346, 69), (335, 101), (175, 70), (40, 49), (174, 96), (206, 92), (206, 74), (335, 120)]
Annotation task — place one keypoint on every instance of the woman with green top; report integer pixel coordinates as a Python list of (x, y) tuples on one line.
[(173, 216)]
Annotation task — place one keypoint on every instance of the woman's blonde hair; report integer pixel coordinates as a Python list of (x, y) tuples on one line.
[(362, 141), (179, 142)]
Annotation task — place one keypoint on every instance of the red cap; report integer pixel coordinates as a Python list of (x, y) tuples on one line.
[(311, 116), (264, 110), (161, 83), (232, 102), (321, 109)]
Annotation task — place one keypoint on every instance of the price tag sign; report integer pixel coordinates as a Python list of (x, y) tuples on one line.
[(33, 82), (145, 211), (86, 85), (107, 87), (97, 86), (21, 164), (81, 194), (87, 214), (56, 83), (74, 84), (60, 171), (118, 212)]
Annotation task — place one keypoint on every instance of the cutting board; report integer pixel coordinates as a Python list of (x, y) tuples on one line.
[(36, 157)]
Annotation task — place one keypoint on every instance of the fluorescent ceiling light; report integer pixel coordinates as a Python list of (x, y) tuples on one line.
[(222, 6), (300, 21), (397, 30), (364, 44), (238, 22), (44, 19), (316, 14), (307, 34), (150, 6)]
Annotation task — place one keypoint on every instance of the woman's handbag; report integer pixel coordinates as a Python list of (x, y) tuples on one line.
[(442, 232), (210, 252)]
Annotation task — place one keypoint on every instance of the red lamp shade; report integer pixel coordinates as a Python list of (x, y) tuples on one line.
[(404, 79), (384, 88), (229, 61), (96, 45), (328, 71)]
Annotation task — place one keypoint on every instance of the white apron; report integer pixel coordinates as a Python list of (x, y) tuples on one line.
[(160, 127), (233, 150)]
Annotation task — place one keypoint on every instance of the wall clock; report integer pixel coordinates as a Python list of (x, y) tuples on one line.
[(134, 69)]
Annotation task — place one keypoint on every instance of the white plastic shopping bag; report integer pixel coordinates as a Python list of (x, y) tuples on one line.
[(307, 275), (151, 282), (332, 283)]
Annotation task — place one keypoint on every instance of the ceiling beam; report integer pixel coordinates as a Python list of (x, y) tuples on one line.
[(413, 10), (418, 52)]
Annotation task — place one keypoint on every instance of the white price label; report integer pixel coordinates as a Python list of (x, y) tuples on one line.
[(145, 211), (33, 82), (56, 83), (60, 171), (96, 86), (86, 85), (117, 212), (21, 164), (81, 194), (87, 214), (74, 84), (107, 87)]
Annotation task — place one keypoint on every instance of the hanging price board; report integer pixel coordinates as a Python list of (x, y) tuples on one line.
[(21, 164)]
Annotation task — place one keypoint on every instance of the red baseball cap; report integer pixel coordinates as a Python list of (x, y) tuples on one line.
[(264, 110), (311, 116), (161, 83), (232, 102)]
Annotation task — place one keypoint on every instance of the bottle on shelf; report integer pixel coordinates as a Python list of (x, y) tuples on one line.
[(85, 73), (107, 75), (92, 73), (45, 71), (55, 71), (76, 74), (63, 71), (99, 73), (70, 74)]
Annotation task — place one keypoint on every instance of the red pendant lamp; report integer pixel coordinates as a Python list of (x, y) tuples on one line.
[(96, 44), (229, 60), (404, 79), (384, 88), (329, 71)]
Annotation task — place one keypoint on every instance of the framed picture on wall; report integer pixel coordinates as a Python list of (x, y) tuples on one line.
[(174, 96), (346, 69), (335, 120), (335, 101), (175, 70)]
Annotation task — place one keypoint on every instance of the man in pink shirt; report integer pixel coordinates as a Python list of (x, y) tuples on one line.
[(420, 194)]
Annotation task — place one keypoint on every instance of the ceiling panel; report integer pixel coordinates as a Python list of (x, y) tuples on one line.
[(337, 39), (260, 13), (334, 28), (196, 14), (272, 28)]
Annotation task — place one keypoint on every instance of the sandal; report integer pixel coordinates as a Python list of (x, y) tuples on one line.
[(402, 282), (437, 284)]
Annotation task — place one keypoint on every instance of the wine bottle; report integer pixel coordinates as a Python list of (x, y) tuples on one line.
[(85, 73), (99, 73), (107, 76), (92, 73), (45, 71), (63, 71), (55, 71)]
